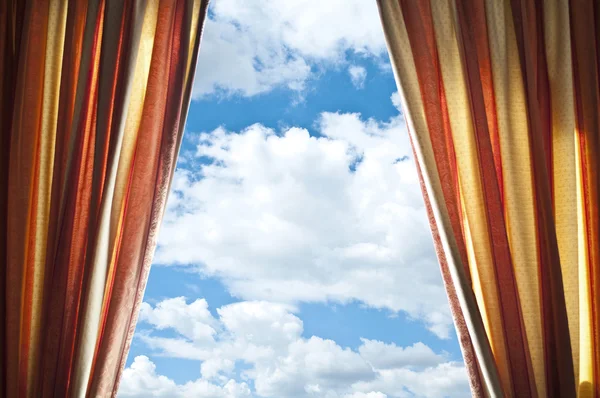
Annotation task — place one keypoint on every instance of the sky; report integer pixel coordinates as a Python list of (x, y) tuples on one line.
[(294, 258)]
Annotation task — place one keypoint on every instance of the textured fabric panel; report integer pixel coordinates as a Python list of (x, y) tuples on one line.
[(477, 387), (517, 176), (529, 32), (475, 345), (22, 201), (556, 23), (94, 95), (513, 89), (116, 95), (587, 101), (471, 198), (52, 76)]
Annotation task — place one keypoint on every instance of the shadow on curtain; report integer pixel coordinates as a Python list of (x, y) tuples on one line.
[(502, 99), (94, 96)]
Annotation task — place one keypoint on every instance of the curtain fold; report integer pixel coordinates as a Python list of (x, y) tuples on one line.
[(93, 100), (502, 101)]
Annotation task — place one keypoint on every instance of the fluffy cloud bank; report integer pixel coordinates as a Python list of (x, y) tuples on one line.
[(287, 216), (278, 361), (251, 47)]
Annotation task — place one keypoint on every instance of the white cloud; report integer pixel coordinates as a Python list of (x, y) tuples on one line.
[(140, 380), (310, 364), (233, 61), (250, 47), (396, 100), (358, 74), (261, 323), (279, 362), (288, 217), (389, 356), (447, 380), (196, 322)]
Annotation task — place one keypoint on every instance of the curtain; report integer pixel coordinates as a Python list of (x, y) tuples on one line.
[(93, 101), (502, 103)]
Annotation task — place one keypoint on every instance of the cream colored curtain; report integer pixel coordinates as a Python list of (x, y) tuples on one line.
[(502, 101)]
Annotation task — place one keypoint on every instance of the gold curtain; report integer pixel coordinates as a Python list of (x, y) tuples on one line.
[(93, 100), (502, 103)]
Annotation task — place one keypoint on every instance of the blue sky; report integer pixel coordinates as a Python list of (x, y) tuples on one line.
[(295, 258)]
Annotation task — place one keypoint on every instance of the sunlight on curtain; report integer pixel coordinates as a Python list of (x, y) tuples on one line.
[(502, 102), (94, 96)]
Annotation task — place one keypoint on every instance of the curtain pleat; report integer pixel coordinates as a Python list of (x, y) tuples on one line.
[(502, 101), (93, 100)]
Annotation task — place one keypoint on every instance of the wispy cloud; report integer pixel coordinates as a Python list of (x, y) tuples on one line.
[(358, 74)]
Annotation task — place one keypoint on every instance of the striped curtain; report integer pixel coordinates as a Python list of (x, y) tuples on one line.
[(502, 103), (93, 100)]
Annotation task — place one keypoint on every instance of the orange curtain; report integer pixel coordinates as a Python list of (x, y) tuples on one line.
[(93, 100), (502, 102)]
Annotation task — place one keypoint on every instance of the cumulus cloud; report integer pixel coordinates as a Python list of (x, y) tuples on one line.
[(358, 74), (390, 356), (267, 338), (444, 380), (250, 47), (195, 322), (289, 217), (397, 101), (140, 380)]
